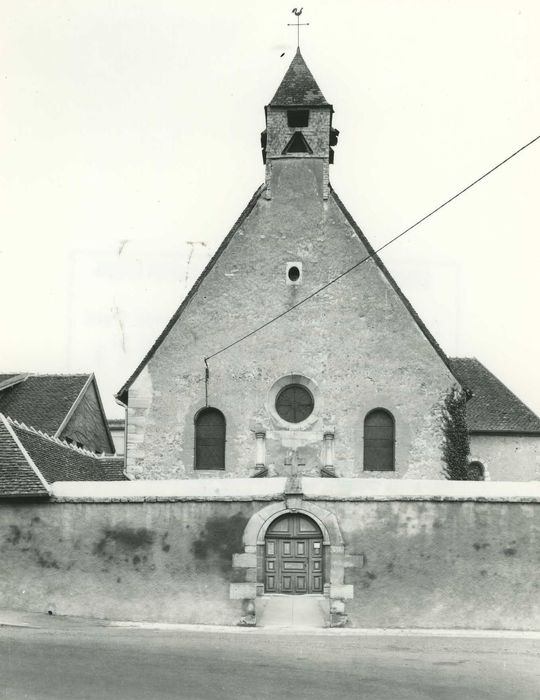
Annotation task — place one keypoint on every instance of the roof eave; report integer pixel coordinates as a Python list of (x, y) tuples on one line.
[(373, 254), (502, 433), (300, 105)]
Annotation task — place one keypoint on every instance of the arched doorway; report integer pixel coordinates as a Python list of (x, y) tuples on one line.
[(293, 560)]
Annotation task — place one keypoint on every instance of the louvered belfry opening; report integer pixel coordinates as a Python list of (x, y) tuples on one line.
[(297, 144), (379, 441), (210, 439)]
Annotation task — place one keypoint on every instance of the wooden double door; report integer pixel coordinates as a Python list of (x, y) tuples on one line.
[(293, 556)]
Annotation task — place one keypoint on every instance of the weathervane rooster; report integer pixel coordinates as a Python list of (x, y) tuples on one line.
[(298, 12)]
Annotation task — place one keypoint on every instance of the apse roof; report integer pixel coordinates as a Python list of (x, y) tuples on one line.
[(298, 87), (493, 408)]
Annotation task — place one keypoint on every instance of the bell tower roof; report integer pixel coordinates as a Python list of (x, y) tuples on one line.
[(298, 87)]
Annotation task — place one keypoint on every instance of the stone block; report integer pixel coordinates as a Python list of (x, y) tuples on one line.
[(337, 607), (244, 560), (342, 592), (241, 591)]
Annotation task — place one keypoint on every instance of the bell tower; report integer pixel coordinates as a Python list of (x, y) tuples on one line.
[(298, 124)]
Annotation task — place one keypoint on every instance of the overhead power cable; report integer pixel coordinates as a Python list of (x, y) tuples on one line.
[(371, 255)]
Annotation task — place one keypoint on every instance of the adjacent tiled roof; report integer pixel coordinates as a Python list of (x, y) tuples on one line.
[(58, 461), (298, 87), (42, 400), (493, 408), (17, 477)]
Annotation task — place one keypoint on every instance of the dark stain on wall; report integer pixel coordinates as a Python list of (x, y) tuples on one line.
[(23, 538), (510, 551), (165, 546), (46, 560), (123, 545), (125, 538), (480, 545), (366, 578), (221, 537), (14, 535)]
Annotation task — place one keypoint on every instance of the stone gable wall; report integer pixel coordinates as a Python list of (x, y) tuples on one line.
[(355, 342)]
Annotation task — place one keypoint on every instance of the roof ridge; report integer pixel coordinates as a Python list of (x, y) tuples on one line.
[(59, 374), (57, 441)]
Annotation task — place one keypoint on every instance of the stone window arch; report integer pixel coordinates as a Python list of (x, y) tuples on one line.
[(476, 471), (285, 387), (210, 432), (379, 441)]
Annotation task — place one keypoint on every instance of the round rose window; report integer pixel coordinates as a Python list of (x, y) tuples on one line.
[(294, 403)]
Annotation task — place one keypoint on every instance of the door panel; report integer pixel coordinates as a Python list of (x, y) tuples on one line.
[(294, 556)]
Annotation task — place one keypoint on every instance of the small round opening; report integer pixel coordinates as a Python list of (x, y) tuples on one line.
[(293, 273)]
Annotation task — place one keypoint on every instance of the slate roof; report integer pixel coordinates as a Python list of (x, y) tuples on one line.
[(493, 408), (298, 87), (17, 477), (42, 400)]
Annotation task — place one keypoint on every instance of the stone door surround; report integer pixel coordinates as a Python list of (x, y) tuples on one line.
[(246, 564)]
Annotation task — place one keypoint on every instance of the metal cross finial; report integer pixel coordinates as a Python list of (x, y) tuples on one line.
[(298, 24)]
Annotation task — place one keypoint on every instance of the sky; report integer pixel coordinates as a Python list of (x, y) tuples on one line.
[(129, 145)]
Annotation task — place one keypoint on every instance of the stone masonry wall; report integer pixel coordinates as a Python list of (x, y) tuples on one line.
[(410, 563), (356, 343), (316, 133), (425, 564), (130, 561)]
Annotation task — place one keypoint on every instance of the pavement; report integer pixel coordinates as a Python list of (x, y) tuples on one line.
[(57, 658), (292, 611)]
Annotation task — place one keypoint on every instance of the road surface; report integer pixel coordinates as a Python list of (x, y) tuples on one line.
[(99, 662)]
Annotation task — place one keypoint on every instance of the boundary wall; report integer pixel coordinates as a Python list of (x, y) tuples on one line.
[(398, 553)]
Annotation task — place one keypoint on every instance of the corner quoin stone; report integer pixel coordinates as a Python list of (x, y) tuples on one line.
[(242, 591)]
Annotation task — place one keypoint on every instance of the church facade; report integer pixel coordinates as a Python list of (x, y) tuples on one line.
[(349, 383), (285, 436)]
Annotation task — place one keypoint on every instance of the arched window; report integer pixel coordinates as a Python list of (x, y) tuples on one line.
[(379, 438), (476, 471), (210, 439)]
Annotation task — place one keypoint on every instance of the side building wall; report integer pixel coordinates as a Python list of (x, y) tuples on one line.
[(416, 558), (508, 457)]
